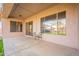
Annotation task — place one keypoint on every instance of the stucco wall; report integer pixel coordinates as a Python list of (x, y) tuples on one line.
[(78, 24), (71, 37), (6, 29)]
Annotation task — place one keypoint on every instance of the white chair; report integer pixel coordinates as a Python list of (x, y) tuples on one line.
[(37, 36)]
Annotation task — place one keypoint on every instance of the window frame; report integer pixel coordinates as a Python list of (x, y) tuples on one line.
[(17, 27), (29, 30), (57, 22)]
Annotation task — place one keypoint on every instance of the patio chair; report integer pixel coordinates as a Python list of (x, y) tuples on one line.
[(34, 35), (37, 36)]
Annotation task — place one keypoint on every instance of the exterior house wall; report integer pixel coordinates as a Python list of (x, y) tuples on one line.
[(6, 29), (78, 24), (71, 37)]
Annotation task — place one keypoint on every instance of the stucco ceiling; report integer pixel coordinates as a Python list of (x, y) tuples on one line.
[(6, 9), (25, 10)]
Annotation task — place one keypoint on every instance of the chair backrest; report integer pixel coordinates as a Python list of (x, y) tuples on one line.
[(39, 34), (34, 34)]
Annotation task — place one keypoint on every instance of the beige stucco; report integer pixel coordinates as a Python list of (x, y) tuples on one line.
[(78, 24), (71, 39), (7, 9), (6, 28)]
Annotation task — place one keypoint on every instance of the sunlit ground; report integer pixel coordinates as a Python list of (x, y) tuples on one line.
[(55, 33)]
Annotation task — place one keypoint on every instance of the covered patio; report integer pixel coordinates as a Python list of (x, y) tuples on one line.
[(56, 25)]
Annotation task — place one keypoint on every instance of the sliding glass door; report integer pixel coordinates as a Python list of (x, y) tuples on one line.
[(29, 28)]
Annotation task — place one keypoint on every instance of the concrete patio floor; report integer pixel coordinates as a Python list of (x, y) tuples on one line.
[(25, 46)]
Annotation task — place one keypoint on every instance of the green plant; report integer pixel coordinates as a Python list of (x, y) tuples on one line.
[(1, 47)]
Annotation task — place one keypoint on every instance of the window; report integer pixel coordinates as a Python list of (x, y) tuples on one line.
[(54, 24), (29, 28), (15, 26), (61, 23)]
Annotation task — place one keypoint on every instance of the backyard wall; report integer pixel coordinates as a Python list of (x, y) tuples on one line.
[(71, 38)]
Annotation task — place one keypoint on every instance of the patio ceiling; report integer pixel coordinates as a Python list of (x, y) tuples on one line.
[(25, 10), (6, 9)]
